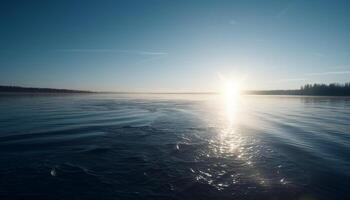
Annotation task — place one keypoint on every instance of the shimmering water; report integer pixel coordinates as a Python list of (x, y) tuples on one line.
[(107, 146)]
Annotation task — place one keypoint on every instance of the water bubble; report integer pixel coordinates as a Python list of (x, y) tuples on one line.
[(53, 172), (283, 181)]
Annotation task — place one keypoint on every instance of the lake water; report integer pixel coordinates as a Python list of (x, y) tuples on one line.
[(109, 146)]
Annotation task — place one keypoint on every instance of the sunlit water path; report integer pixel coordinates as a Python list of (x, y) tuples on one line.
[(174, 147)]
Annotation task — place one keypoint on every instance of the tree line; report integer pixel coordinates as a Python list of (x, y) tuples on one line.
[(333, 89), (18, 89)]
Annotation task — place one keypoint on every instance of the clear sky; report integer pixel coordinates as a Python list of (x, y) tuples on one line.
[(173, 45)]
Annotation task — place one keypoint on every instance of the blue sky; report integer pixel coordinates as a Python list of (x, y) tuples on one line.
[(173, 45)]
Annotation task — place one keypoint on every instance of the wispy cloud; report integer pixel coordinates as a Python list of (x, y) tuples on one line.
[(285, 10), (233, 22), (318, 54), (137, 52), (150, 59), (328, 73), (292, 79), (314, 74)]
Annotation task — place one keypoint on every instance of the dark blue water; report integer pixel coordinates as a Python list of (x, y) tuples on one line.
[(174, 147)]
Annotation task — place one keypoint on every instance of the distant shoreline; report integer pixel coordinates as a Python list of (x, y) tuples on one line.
[(32, 90), (307, 90)]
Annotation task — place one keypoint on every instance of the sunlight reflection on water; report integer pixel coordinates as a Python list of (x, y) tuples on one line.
[(233, 145)]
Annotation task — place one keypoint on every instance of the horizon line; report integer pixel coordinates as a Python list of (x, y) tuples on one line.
[(142, 92), (156, 92)]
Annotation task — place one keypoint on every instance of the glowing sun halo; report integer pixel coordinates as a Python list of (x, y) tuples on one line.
[(230, 90)]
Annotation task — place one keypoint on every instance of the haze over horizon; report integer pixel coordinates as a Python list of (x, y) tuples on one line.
[(168, 46)]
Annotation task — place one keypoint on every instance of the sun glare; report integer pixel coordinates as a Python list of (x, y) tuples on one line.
[(230, 93), (231, 90)]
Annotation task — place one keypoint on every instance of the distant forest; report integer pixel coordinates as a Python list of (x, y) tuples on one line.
[(16, 89), (333, 89)]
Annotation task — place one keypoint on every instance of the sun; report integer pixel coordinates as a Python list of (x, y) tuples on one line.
[(230, 90)]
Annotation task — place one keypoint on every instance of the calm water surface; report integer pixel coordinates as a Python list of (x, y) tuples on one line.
[(107, 146)]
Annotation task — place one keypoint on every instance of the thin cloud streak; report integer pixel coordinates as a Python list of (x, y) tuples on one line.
[(233, 22), (328, 73), (138, 52), (285, 10), (317, 54), (315, 74), (150, 59), (292, 79)]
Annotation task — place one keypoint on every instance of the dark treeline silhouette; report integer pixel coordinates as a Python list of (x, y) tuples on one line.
[(273, 92), (16, 89), (333, 89)]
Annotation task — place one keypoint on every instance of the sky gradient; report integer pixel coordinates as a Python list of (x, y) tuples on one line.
[(173, 46)]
